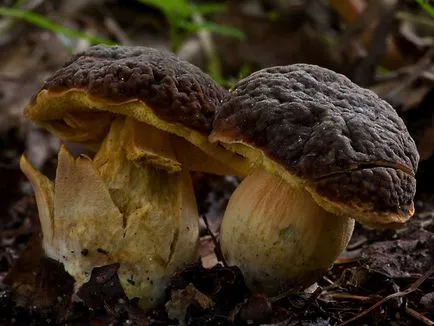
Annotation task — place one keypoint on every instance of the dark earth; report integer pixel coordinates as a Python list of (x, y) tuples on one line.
[(384, 277)]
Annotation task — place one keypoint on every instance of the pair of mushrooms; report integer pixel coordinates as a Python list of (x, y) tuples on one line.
[(315, 150)]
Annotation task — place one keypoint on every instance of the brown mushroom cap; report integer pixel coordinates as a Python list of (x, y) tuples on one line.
[(175, 90), (317, 129), (79, 102)]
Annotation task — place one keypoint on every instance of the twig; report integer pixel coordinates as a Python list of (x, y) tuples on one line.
[(345, 260), (357, 244), (415, 19), (206, 41), (420, 67), (426, 214), (217, 249), (359, 15), (410, 289), (377, 48), (312, 298), (425, 224), (345, 296), (329, 281), (113, 27), (418, 316)]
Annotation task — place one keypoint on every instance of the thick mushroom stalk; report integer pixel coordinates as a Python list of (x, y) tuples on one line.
[(108, 210), (298, 239)]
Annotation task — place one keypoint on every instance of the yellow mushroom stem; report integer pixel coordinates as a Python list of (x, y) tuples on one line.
[(109, 210), (278, 236)]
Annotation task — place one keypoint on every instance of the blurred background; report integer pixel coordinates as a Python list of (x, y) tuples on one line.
[(384, 45)]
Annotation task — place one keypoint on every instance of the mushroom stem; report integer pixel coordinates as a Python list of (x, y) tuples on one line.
[(109, 210), (278, 236)]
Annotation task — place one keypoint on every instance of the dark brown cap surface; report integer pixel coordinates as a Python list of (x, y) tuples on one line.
[(348, 145), (175, 90)]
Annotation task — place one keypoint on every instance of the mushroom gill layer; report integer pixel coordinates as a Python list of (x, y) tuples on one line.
[(376, 194), (76, 116), (109, 210), (284, 241)]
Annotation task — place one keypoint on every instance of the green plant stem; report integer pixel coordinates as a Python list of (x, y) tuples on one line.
[(42, 22)]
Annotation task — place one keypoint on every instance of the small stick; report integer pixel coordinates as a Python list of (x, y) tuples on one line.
[(426, 223), (426, 214), (410, 289), (418, 316), (206, 41), (344, 260), (325, 278), (357, 244), (217, 249), (312, 298), (344, 296)]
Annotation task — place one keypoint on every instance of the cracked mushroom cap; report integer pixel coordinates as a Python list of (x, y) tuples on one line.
[(318, 130), (80, 100)]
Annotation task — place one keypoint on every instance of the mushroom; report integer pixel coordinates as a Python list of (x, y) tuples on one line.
[(168, 104), (148, 114), (326, 152)]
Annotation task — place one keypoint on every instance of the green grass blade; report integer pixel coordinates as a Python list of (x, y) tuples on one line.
[(170, 7), (42, 22), (212, 27), (211, 8), (426, 7)]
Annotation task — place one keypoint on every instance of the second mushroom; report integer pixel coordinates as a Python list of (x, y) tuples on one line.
[(325, 152)]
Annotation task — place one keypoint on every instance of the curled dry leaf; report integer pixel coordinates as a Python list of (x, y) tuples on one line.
[(181, 299)]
